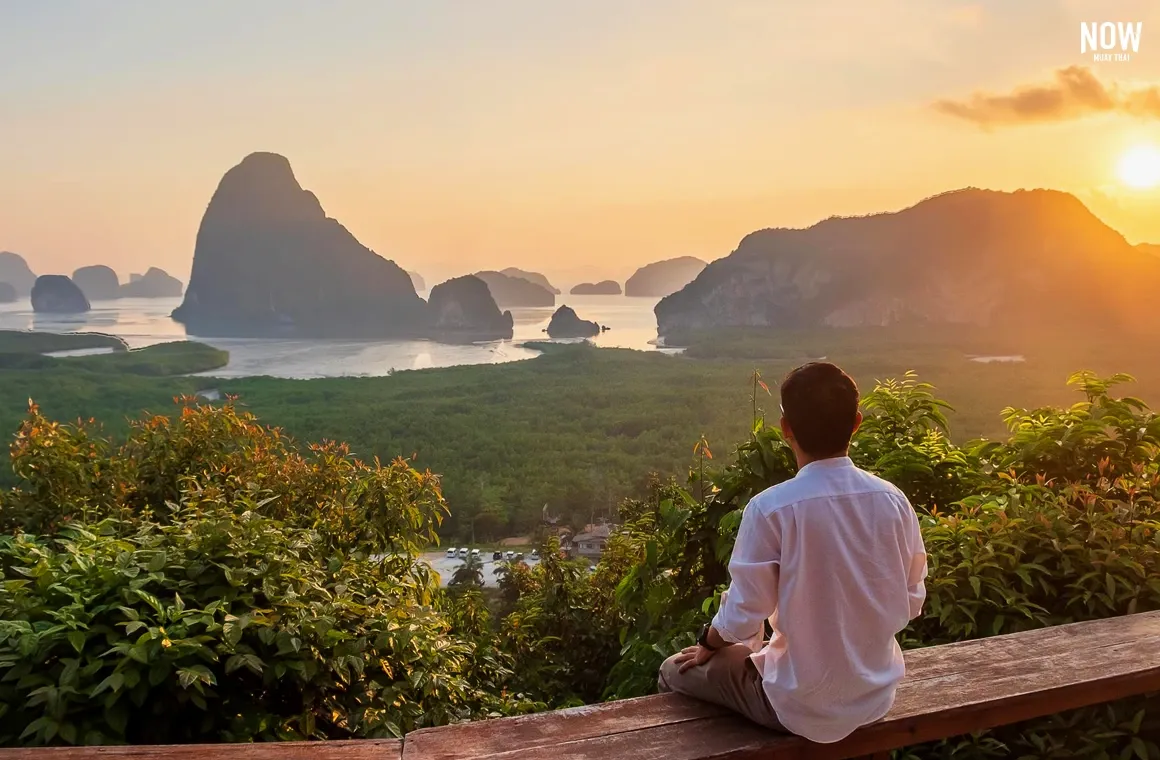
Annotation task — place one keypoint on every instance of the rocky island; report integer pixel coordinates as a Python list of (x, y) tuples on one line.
[(155, 283), (269, 261), (662, 278), (516, 292), (535, 277), (978, 257), (567, 324), (602, 288), (462, 309), (97, 282), (57, 294), (14, 271)]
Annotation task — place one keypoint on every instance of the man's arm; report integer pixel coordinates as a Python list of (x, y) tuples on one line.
[(916, 575), (754, 568)]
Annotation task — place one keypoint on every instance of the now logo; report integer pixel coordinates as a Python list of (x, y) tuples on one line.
[(1110, 41)]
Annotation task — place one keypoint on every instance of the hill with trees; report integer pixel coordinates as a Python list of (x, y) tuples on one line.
[(971, 256), (534, 277), (516, 292), (661, 278)]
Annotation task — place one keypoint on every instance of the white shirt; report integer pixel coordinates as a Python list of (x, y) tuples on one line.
[(834, 559)]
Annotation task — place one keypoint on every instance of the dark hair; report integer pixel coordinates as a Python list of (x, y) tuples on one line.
[(820, 403)]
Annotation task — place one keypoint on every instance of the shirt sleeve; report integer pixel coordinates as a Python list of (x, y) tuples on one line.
[(754, 569), (916, 576)]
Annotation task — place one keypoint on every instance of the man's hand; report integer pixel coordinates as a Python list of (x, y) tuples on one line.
[(693, 656)]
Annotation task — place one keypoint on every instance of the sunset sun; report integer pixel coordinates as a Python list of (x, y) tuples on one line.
[(1139, 167)]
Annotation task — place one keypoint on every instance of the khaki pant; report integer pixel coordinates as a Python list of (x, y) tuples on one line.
[(729, 679)]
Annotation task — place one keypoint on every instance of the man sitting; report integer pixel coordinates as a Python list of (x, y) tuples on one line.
[(834, 560)]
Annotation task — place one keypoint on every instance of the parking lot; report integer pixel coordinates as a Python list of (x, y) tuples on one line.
[(446, 566)]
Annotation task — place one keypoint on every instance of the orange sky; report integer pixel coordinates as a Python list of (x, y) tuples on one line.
[(580, 139)]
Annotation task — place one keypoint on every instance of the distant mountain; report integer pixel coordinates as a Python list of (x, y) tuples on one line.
[(8, 292), (155, 283), (14, 271), (515, 292), (269, 261), (57, 294), (417, 281), (602, 288), (662, 278), (1032, 257), (535, 277), (97, 282)]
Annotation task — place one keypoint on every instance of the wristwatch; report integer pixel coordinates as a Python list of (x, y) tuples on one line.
[(703, 638)]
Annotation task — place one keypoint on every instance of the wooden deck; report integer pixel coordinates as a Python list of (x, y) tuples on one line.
[(948, 690)]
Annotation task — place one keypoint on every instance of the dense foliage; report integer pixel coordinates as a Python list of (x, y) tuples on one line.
[(30, 342), (160, 360), (1057, 524), (205, 580)]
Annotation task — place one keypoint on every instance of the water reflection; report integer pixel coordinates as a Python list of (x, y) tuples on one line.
[(146, 321)]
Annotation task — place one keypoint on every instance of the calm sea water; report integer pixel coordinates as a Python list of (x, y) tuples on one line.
[(145, 321)]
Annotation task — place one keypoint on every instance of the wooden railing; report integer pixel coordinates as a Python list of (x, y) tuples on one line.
[(948, 690)]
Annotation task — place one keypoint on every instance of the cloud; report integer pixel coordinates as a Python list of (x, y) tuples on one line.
[(1074, 93)]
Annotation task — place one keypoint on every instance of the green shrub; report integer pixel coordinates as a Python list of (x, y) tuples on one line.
[(204, 581)]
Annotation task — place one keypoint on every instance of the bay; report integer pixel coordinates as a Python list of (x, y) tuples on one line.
[(145, 321)]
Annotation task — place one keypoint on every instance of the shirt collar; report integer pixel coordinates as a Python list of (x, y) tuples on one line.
[(833, 463)]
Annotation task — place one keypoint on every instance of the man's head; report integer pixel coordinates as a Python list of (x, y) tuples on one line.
[(819, 408)]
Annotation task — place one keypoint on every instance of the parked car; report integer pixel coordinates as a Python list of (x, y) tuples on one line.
[(475, 552), (497, 555), (463, 553), (535, 552), (520, 557), (451, 553), (509, 556)]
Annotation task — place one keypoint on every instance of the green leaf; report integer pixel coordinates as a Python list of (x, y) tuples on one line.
[(195, 674), (232, 633), (118, 718), (159, 672), (133, 626), (77, 639), (112, 682), (34, 726), (68, 674)]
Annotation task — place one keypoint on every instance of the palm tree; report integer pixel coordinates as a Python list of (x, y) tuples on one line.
[(470, 573)]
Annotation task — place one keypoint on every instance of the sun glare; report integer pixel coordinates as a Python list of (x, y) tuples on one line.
[(1139, 167)]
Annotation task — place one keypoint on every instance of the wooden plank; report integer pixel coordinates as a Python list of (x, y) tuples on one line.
[(466, 741), (1012, 700), (356, 749), (949, 690)]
